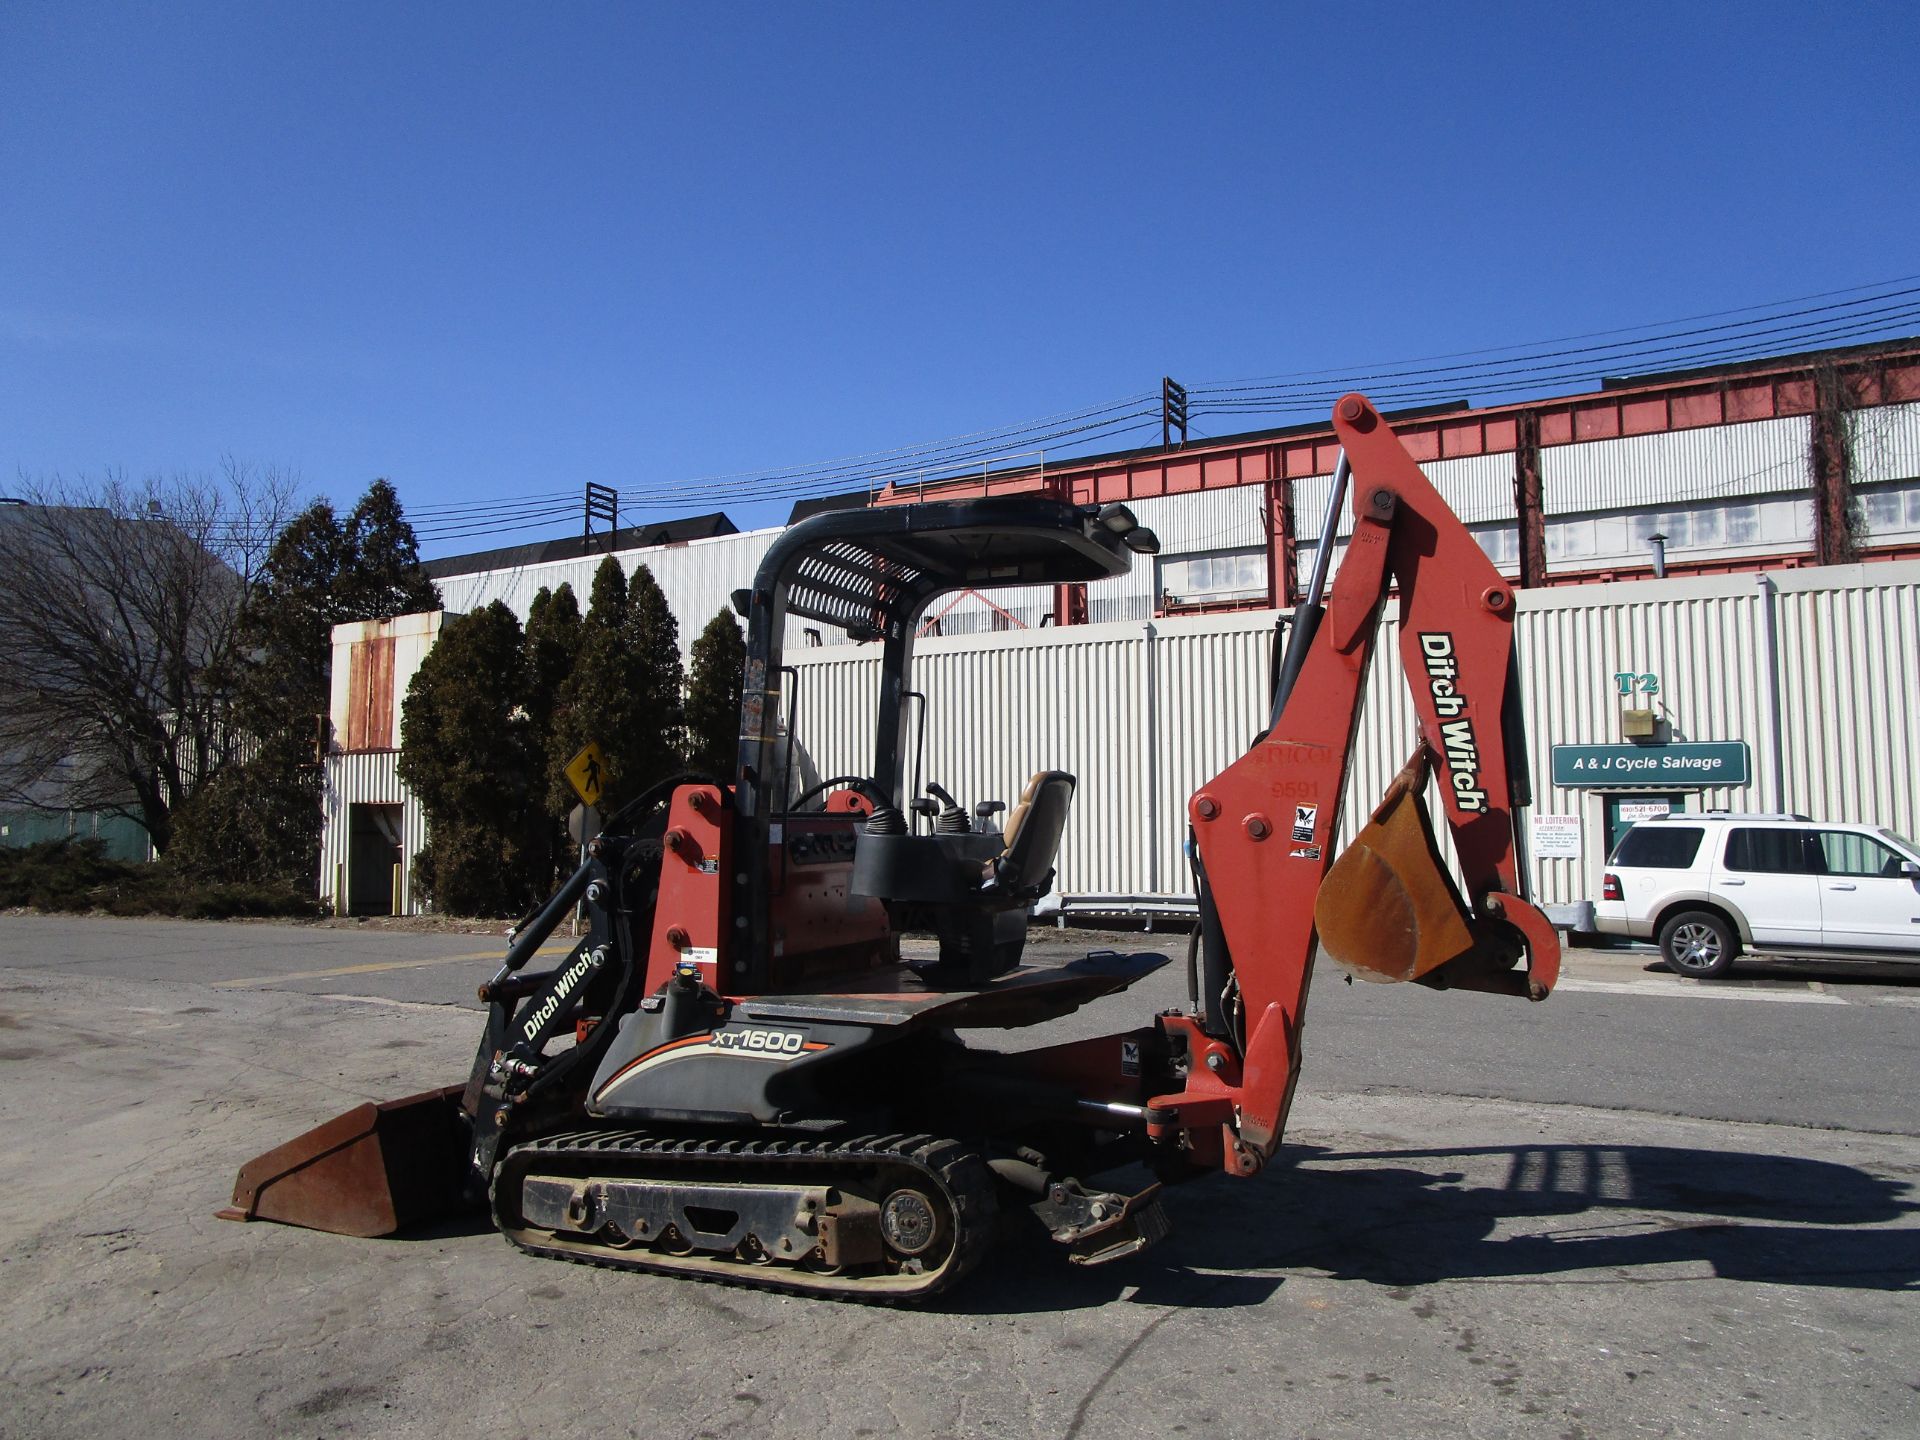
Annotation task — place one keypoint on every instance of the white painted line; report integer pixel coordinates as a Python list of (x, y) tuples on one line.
[(554, 947), (1707, 991), (439, 1007)]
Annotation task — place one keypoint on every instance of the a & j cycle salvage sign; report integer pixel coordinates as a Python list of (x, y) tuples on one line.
[(1693, 764)]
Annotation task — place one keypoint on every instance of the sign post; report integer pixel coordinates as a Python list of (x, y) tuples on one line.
[(587, 772)]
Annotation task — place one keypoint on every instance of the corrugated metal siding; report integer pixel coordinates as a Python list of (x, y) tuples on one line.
[(1886, 443), (1850, 669), (1849, 645), (1144, 713), (1702, 638), (1210, 687), (367, 778), (1225, 519), (1479, 488), (699, 579), (1714, 462), (1127, 597)]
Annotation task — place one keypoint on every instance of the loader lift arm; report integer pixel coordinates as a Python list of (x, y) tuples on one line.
[(1264, 828)]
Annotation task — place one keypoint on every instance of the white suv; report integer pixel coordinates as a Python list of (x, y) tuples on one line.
[(1708, 887)]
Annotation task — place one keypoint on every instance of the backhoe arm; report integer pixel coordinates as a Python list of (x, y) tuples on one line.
[(1264, 827)]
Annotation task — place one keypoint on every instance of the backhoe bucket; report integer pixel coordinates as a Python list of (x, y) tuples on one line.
[(372, 1171), (1389, 910)]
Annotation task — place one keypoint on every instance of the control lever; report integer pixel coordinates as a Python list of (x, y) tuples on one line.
[(952, 820)]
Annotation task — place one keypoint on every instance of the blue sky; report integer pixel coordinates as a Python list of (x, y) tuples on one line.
[(492, 250)]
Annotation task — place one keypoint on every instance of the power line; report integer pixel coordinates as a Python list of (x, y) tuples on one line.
[(1717, 337)]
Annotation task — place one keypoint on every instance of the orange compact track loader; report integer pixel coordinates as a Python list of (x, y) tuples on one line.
[(735, 1075)]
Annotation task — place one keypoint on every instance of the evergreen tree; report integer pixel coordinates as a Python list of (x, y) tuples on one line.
[(654, 743), (713, 697), (469, 754), (594, 702), (553, 640), (381, 576), (261, 822)]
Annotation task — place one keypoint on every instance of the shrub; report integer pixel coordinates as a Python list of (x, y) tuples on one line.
[(75, 877)]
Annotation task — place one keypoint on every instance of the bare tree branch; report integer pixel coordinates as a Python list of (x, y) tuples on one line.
[(118, 621)]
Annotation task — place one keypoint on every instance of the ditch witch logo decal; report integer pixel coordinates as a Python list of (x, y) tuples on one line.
[(1457, 740), (551, 1005)]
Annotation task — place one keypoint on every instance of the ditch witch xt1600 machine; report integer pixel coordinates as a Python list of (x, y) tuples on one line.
[(733, 1075)]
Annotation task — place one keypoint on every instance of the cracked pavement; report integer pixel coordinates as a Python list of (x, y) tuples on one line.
[(1505, 1265)]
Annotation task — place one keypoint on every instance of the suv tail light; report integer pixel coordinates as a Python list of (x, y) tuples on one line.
[(1610, 888)]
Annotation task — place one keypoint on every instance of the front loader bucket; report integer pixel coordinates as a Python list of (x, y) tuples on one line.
[(1388, 910), (372, 1171)]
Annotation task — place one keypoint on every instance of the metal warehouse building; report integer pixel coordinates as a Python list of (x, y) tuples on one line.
[(1774, 667)]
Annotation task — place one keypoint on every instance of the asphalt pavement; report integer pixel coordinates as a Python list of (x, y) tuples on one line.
[(1646, 1206)]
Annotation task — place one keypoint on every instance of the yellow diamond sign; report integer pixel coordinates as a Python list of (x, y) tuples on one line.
[(588, 773)]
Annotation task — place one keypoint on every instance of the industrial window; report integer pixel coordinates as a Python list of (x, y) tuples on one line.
[(1570, 539), (1658, 847), (1892, 509), (1769, 852), (1743, 524), (1500, 542), (1216, 575), (1303, 558), (1676, 525), (1628, 535)]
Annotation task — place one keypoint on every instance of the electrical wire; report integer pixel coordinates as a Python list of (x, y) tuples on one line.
[(1849, 314)]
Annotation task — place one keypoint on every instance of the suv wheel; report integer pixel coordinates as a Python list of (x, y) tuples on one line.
[(1697, 943)]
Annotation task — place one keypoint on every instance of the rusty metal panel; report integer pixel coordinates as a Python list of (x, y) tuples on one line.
[(373, 663), (370, 718), (359, 664), (1713, 462), (383, 720)]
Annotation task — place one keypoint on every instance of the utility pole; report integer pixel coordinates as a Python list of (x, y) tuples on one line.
[(603, 503), (1173, 411)]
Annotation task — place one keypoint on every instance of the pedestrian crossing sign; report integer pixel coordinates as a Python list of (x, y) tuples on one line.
[(588, 773)]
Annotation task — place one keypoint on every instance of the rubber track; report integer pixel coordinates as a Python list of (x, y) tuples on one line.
[(958, 1172)]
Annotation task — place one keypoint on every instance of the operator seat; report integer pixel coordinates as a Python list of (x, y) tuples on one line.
[(971, 888), (1032, 837), (985, 934)]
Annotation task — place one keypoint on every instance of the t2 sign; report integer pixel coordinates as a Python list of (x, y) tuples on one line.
[(1630, 682)]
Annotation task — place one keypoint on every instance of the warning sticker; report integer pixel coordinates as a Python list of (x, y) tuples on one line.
[(1305, 819), (1129, 1057)]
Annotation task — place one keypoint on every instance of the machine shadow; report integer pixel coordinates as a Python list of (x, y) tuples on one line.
[(1407, 1218)]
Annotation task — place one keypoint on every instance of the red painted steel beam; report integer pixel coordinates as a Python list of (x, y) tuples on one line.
[(1523, 429)]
